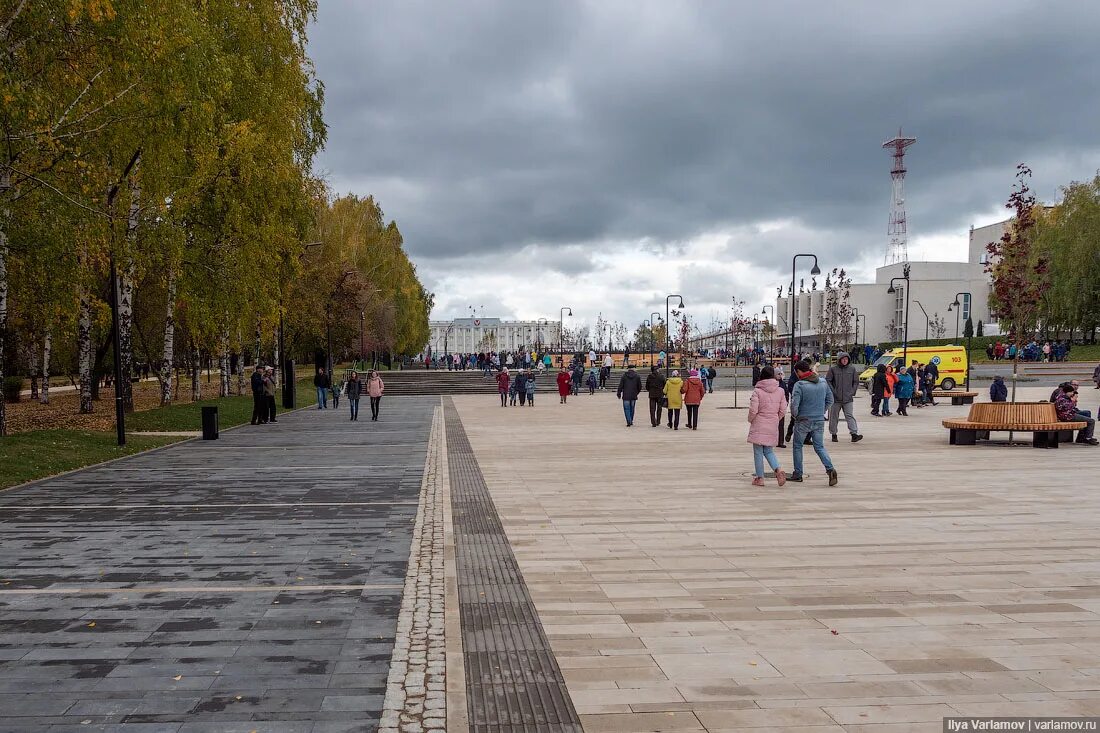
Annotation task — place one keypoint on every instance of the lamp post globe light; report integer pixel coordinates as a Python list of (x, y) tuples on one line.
[(815, 270), (668, 343), (905, 331), (561, 333), (958, 306), (858, 315)]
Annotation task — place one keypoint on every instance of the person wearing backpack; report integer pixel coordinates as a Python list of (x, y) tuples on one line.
[(655, 388), (712, 373)]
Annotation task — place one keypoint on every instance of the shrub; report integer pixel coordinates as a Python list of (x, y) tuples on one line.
[(12, 387)]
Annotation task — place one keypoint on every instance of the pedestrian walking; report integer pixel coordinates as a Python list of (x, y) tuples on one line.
[(565, 385), (354, 389), (810, 400), (998, 390), (712, 374), (693, 391), (903, 390), (843, 380), (337, 388), (878, 389), (321, 383), (504, 380), (529, 388), (1096, 376), (655, 388), (630, 386), (259, 401), (767, 406), (521, 385), (269, 393), (375, 388), (674, 399), (591, 380), (891, 380)]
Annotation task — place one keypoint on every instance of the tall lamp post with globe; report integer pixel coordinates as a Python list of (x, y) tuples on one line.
[(815, 270)]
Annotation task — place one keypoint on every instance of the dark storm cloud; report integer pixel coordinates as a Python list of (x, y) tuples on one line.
[(484, 127)]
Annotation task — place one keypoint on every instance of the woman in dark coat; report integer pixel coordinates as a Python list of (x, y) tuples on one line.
[(878, 388)]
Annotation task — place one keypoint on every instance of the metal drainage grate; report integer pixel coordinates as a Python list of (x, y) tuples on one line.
[(513, 682)]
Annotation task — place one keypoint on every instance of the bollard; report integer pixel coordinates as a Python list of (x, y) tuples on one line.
[(210, 422)]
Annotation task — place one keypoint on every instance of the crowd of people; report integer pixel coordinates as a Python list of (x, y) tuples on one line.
[(1032, 351), (909, 387)]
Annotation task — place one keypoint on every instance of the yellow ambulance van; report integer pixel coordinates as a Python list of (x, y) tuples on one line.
[(949, 360)]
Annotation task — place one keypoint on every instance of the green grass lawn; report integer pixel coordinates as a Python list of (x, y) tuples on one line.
[(231, 411), (27, 456)]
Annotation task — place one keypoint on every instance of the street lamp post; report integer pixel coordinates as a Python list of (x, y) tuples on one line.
[(561, 333), (859, 315), (654, 317), (814, 271), (668, 347), (905, 335), (958, 305), (538, 333), (771, 330), (927, 320)]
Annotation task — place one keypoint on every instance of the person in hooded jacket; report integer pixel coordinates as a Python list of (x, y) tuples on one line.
[(767, 406), (810, 400), (998, 391), (878, 388), (843, 380), (259, 402), (630, 386), (675, 399), (891, 380), (693, 390), (655, 388)]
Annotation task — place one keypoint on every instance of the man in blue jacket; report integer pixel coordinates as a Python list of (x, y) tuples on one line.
[(810, 400)]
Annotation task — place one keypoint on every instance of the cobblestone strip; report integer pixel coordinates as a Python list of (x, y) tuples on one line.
[(416, 691)]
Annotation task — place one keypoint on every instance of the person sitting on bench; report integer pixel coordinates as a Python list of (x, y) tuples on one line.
[(1066, 406)]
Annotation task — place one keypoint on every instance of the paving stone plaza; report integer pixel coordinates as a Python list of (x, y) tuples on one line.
[(458, 566)]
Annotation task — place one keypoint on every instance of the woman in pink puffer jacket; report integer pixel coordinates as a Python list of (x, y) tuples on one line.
[(767, 406)]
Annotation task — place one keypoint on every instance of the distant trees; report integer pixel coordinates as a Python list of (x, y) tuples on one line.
[(177, 139), (835, 318)]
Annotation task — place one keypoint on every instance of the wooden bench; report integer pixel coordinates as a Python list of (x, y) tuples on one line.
[(957, 398), (1038, 418)]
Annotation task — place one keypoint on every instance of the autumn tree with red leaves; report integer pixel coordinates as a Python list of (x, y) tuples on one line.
[(1021, 274)]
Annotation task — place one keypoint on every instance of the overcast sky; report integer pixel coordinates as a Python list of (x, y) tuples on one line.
[(603, 154)]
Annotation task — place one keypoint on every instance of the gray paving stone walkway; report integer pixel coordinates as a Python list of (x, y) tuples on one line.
[(249, 583)]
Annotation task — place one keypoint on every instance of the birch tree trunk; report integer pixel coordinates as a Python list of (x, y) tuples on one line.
[(257, 342), (224, 366), (240, 365), (84, 341), (169, 353), (3, 309), (32, 357), (196, 367), (47, 349), (126, 295), (278, 358)]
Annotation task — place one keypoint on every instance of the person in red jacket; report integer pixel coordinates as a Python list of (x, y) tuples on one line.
[(503, 380), (565, 385)]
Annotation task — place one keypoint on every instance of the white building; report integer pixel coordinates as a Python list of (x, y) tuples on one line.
[(933, 286), (472, 335)]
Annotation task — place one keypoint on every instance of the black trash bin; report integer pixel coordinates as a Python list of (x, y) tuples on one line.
[(210, 422)]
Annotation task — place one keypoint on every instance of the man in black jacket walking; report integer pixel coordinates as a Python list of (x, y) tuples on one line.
[(259, 402), (630, 386), (321, 382), (655, 386)]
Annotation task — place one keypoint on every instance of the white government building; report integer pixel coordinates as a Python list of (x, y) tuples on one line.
[(473, 334), (933, 285)]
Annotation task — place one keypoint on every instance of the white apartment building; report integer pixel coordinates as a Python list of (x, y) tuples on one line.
[(933, 285), (472, 335)]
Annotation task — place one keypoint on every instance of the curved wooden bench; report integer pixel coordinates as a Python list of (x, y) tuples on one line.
[(1038, 418), (957, 398)]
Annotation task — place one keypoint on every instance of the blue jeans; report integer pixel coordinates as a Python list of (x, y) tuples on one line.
[(816, 430), (322, 398), (628, 410), (354, 404), (885, 405), (759, 453)]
